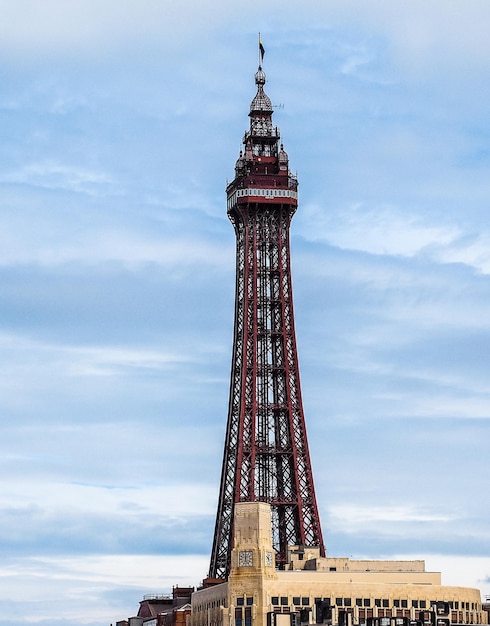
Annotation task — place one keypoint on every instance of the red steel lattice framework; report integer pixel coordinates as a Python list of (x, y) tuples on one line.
[(266, 455)]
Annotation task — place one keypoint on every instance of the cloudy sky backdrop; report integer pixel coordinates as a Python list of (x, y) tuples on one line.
[(120, 123)]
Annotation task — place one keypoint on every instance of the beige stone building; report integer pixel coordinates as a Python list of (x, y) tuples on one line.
[(316, 590)]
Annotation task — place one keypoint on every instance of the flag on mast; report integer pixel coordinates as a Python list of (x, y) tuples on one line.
[(261, 50)]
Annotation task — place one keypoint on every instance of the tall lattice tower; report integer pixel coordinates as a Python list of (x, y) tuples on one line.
[(266, 454)]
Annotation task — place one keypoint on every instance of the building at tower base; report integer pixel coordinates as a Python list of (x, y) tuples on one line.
[(323, 590)]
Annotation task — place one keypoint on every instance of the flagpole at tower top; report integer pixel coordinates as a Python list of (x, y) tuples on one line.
[(261, 52)]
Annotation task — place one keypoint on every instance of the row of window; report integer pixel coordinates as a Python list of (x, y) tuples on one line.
[(367, 602), (380, 602), (268, 193), (284, 600)]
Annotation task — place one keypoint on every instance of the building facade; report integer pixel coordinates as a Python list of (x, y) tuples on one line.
[(324, 590), (163, 610)]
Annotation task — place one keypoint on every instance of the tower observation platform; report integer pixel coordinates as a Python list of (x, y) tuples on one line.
[(266, 457)]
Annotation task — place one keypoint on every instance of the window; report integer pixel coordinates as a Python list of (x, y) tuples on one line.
[(296, 600), (415, 604), (305, 601), (250, 600), (338, 601), (284, 600), (386, 604), (238, 617), (358, 601), (275, 600), (239, 602), (367, 602), (248, 616), (404, 604), (423, 604), (347, 602), (377, 602), (396, 603)]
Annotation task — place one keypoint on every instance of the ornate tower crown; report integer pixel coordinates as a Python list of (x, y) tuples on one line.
[(262, 138), (261, 103)]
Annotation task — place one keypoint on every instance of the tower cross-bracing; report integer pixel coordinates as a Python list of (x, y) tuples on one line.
[(266, 455)]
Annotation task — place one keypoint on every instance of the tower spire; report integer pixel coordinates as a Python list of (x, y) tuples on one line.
[(266, 455)]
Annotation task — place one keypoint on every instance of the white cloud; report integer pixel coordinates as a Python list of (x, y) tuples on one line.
[(422, 35), (98, 577), (166, 500), (353, 518), (90, 28), (113, 361), (54, 175), (474, 253), (471, 571), (459, 571), (36, 359), (384, 230), (41, 242), (388, 231)]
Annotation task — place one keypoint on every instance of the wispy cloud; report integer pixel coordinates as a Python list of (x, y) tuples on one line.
[(53, 175), (352, 517), (392, 231), (94, 576), (75, 361), (384, 230), (117, 276), (89, 246), (474, 251)]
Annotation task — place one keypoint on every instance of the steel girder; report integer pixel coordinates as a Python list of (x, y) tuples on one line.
[(266, 454)]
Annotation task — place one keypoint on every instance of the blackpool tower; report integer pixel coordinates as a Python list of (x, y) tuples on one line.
[(266, 455)]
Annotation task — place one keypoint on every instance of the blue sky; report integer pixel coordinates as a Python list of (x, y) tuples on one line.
[(120, 123)]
